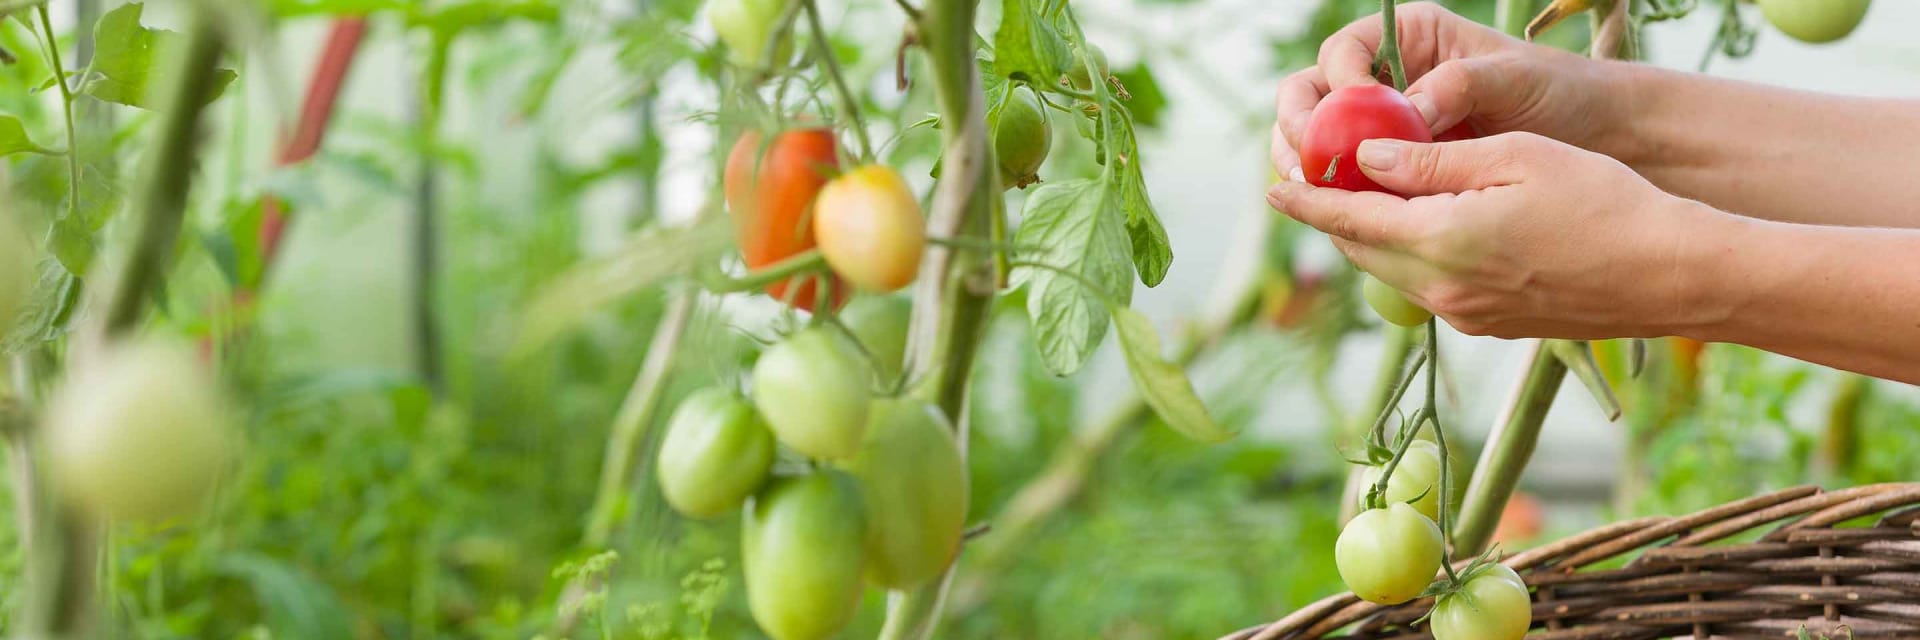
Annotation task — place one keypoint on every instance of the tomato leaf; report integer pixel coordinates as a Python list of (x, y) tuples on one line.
[(44, 316), (1028, 46), (1163, 383), (131, 59), (297, 605), (13, 138), (1152, 251), (1077, 227), (1148, 101)]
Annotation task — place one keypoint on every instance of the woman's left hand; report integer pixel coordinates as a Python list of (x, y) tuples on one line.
[(1516, 235)]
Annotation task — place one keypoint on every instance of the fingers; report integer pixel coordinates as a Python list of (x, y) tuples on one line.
[(1402, 271), (1456, 88), (1417, 169), (1298, 95), (1372, 219), (1346, 57)]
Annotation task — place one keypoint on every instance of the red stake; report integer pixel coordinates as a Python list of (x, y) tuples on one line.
[(323, 90)]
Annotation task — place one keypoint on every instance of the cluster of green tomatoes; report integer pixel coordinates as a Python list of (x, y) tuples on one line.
[(1391, 555)]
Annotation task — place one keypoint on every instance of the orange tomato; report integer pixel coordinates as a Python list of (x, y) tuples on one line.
[(771, 200), (870, 228)]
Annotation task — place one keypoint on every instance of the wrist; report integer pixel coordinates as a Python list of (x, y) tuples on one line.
[(1626, 99), (1714, 279)]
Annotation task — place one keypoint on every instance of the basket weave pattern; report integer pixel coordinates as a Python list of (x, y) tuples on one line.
[(1803, 571)]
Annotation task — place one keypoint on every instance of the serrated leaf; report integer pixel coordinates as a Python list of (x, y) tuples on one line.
[(13, 138), (1152, 251), (130, 61), (44, 316), (1076, 227), (1163, 383), (1027, 46)]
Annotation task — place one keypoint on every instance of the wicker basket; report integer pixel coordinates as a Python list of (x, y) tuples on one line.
[(1803, 572)]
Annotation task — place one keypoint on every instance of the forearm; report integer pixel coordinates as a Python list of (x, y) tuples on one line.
[(1768, 152), (1842, 297)]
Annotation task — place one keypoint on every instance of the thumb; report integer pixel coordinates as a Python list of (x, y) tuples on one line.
[(1420, 169)]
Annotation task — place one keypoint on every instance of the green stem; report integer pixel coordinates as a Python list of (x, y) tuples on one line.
[(1511, 16), (809, 261), (52, 48), (955, 288), (1508, 448), (1390, 45), (426, 243), (849, 103), (624, 453)]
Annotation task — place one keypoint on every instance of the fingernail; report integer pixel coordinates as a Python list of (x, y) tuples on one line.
[(1297, 175), (1424, 104), (1380, 154)]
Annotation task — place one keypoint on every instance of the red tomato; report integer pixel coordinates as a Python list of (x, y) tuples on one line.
[(1462, 131), (772, 202), (1344, 118)]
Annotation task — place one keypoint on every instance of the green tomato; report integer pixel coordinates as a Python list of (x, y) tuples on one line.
[(802, 557), (1493, 605), (880, 323), (1417, 476), (1078, 73), (1388, 556), (1815, 21), (915, 486), (717, 451), (814, 389), (1021, 138), (16, 271), (745, 25), (1392, 305), (141, 431)]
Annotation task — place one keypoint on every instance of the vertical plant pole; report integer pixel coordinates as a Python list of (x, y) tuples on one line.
[(62, 563), (303, 141), (424, 274), (955, 288)]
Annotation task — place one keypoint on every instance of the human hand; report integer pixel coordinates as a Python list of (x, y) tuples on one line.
[(1459, 71), (1516, 235)]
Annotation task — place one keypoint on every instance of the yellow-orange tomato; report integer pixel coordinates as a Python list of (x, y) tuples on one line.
[(870, 228)]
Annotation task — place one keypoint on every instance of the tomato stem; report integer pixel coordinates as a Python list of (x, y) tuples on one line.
[(51, 47), (807, 261), (849, 104), (1389, 53)]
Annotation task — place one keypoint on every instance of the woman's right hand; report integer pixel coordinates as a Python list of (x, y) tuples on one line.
[(1460, 70)]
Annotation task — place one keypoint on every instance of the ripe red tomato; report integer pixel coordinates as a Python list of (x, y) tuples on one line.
[(870, 228), (1344, 118), (772, 200), (1462, 131)]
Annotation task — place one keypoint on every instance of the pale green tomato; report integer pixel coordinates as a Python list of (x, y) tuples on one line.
[(1077, 74), (1417, 476), (1493, 605), (801, 554), (880, 323), (717, 451), (915, 485), (1022, 137), (1388, 556), (1392, 305), (139, 431), (814, 389), (745, 25), (1815, 21)]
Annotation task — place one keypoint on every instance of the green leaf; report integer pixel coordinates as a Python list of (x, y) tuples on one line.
[(72, 244), (1078, 228), (1152, 251), (1148, 102), (297, 605), (130, 61), (13, 138), (1161, 382), (296, 8), (48, 307), (1027, 46)]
